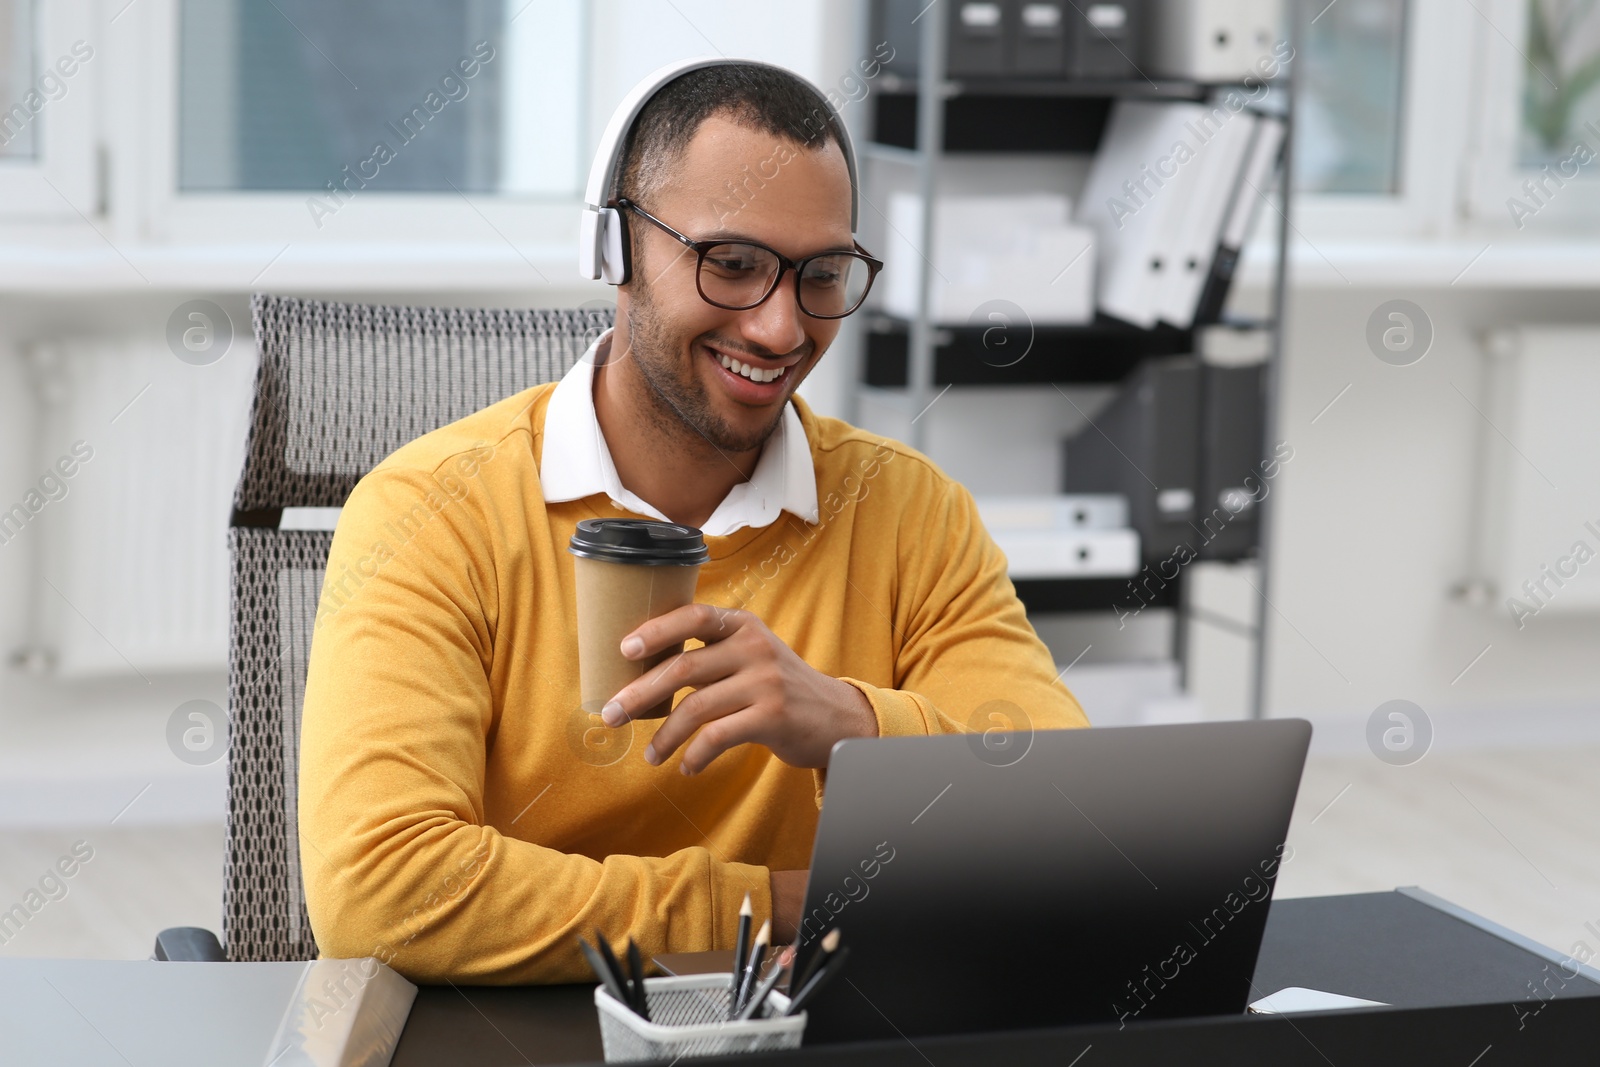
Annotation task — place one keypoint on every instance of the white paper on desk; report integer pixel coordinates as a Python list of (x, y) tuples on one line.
[(344, 1013), (1298, 998)]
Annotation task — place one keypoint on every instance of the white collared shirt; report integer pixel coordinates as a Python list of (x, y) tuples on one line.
[(576, 461)]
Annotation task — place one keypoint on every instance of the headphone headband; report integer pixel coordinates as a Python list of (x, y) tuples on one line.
[(602, 251)]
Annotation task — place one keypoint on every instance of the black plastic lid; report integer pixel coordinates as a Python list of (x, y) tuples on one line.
[(642, 541)]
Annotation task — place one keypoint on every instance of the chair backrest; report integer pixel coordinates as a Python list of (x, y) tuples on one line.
[(339, 387)]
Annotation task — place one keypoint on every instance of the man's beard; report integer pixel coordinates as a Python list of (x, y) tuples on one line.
[(676, 394)]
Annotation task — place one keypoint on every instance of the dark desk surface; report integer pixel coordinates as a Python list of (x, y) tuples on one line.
[(1380, 946)]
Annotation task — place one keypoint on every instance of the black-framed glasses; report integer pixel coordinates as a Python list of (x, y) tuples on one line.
[(739, 275)]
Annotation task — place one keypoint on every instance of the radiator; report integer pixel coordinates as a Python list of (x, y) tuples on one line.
[(1540, 443), (131, 566)]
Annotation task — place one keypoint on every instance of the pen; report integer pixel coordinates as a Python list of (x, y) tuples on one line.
[(753, 1005), (607, 977), (830, 943), (807, 994), (747, 980), (616, 971), (741, 954), (641, 1003)]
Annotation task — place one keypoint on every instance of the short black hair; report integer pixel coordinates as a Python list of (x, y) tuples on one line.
[(763, 98)]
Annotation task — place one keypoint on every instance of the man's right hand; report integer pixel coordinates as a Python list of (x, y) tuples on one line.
[(788, 897)]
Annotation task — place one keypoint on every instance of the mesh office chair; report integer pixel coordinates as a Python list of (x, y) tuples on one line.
[(339, 387)]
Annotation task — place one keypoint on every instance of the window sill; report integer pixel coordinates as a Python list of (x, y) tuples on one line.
[(246, 267), (1500, 260), (1493, 259)]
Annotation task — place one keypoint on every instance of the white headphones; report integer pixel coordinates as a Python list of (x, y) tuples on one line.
[(602, 230)]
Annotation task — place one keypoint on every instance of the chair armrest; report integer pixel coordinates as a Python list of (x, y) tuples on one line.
[(188, 944)]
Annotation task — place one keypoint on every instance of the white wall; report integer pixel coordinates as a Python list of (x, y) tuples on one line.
[(631, 38), (78, 751), (1377, 512), (82, 751)]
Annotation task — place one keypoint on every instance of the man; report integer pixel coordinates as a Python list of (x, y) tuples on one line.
[(461, 817)]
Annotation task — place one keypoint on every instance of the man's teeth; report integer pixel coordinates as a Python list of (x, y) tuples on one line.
[(755, 374)]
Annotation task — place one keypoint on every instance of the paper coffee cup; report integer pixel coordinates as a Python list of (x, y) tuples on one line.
[(628, 572)]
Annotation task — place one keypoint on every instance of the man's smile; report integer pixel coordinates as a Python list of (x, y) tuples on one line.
[(749, 379)]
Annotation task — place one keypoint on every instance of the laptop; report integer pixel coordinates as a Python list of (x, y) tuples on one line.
[(1003, 881)]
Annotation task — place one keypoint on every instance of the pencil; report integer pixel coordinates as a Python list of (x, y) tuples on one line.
[(641, 1003), (830, 943), (741, 953), (607, 977), (818, 980), (747, 981)]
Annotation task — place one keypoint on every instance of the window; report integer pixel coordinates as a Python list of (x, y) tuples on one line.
[(17, 72), (1387, 94), (1561, 80), (48, 62), (1537, 143), (329, 128), (1351, 98), (397, 96)]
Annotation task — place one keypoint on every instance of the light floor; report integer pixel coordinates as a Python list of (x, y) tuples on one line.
[(1509, 834)]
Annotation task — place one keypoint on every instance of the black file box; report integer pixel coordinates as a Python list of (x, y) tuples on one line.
[(1232, 457), (1032, 39), (976, 38), (1143, 446), (1104, 39), (1039, 37), (1183, 441)]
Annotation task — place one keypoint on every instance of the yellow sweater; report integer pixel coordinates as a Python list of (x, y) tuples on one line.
[(462, 819)]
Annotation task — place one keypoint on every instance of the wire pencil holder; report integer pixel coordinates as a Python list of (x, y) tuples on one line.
[(689, 1017)]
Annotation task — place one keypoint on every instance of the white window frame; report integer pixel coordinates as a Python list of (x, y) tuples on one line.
[(1433, 130), (1492, 173), (175, 217), (60, 181)]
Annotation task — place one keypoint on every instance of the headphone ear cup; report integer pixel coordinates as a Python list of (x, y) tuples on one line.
[(624, 247), (612, 246)]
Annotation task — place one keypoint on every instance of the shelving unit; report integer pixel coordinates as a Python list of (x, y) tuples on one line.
[(1102, 352), (916, 124)]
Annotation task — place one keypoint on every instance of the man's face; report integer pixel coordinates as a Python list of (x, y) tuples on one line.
[(789, 197)]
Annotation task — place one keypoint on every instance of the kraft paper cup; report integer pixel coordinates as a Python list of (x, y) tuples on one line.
[(628, 572)]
